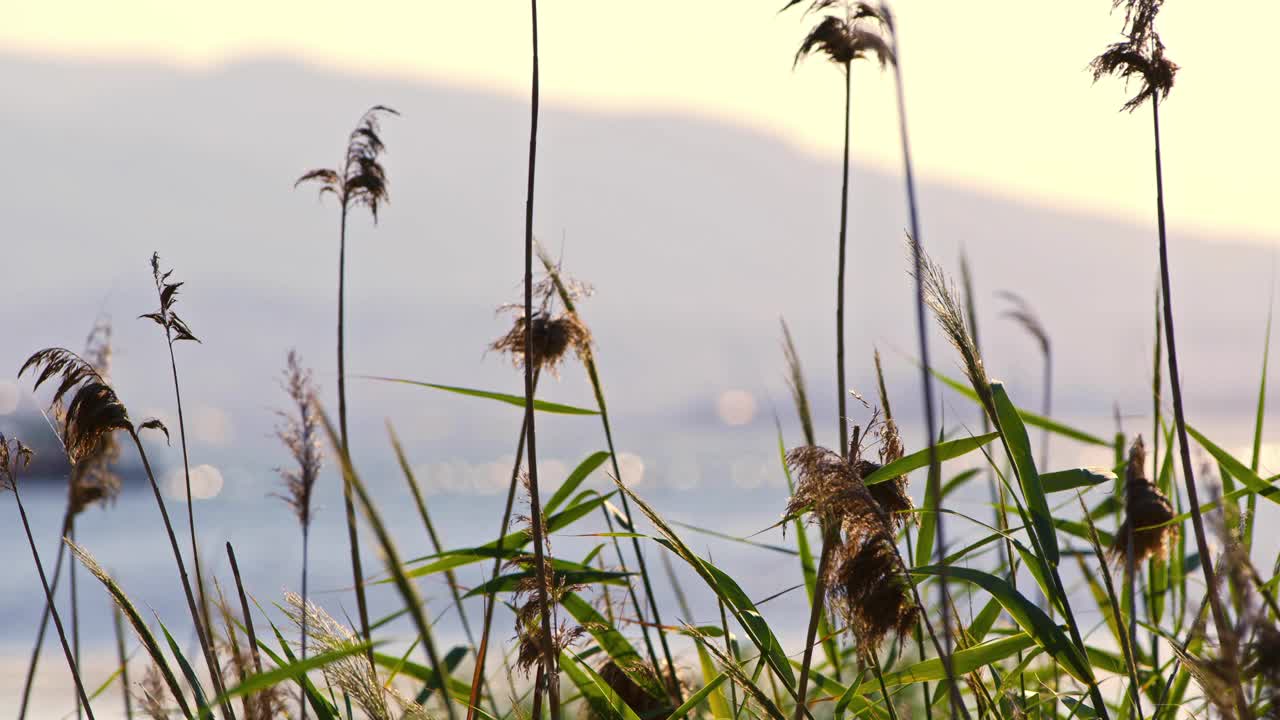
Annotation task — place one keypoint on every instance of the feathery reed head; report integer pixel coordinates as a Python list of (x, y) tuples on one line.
[(531, 647), (795, 382), (14, 458), (870, 588), (828, 486), (300, 432), (165, 317), (1145, 507), (845, 39), (1023, 314), (891, 495), (362, 179), (552, 337), (351, 674), (153, 694), (94, 410), (943, 299), (1140, 55), (93, 479)]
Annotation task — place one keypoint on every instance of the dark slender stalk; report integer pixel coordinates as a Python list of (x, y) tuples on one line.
[(926, 373), (451, 578), (118, 623), (631, 592), (353, 538), (186, 474), (841, 388), (884, 691), (244, 610), (53, 610), (829, 540), (75, 614), (29, 682), (1220, 620), (201, 633), (728, 651), (531, 447), (919, 638), (302, 650)]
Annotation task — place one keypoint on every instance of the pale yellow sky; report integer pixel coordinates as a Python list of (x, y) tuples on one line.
[(998, 91)]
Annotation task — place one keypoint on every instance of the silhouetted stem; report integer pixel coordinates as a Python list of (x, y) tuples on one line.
[(302, 651), (844, 219), (201, 633), (53, 610), (926, 379), (75, 614), (186, 474), (29, 682), (118, 623), (1220, 620), (829, 540), (353, 538), (244, 610)]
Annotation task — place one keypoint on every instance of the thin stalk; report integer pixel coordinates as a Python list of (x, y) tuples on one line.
[(631, 592), (244, 610), (829, 540), (201, 634), (302, 654), (29, 682), (118, 623), (1221, 622), (884, 691), (186, 474), (451, 578), (926, 374), (353, 538), (531, 447), (53, 610), (490, 598), (728, 651), (844, 219), (919, 638), (75, 616), (593, 375)]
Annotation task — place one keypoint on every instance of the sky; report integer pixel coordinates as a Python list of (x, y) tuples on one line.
[(999, 94)]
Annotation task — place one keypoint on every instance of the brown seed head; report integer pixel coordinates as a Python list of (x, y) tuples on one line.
[(1145, 507), (552, 338), (362, 180), (870, 588)]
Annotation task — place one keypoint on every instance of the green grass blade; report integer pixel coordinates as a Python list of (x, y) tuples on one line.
[(517, 400), (949, 450), (716, 701), (966, 661), (1237, 469), (696, 698), (1019, 446), (324, 709), (604, 701), (202, 706), (1029, 417), (929, 515), (575, 479), (1259, 415), (1063, 480), (290, 671), (612, 642), (588, 576), (1030, 618)]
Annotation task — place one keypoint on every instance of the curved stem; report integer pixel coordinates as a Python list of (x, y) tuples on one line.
[(1220, 620), (829, 540), (29, 682), (201, 633), (53, 610), (353, 539)]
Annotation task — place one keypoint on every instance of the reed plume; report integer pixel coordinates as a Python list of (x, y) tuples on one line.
[(94, 412), (176, 330), (300, 433), (352, 674), (14, 459), (92, 481), (844, 34), (1147, 530), (1141, 54), (153, 695), (359, 181), (569, 290)]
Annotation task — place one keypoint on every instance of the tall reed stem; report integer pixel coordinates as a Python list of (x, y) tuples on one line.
[(302, 650), (830, 537), (841, 387), (81, 696), (531, 447), (1220, 620), (118, 623), (353, 538), (75, 615), (201, 632), (926, 373), (29, 682)]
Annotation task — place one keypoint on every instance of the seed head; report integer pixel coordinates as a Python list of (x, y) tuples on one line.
[(1145, 507)]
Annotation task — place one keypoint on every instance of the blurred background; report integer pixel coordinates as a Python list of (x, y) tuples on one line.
[(685, 170)]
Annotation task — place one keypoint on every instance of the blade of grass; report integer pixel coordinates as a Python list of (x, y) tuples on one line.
[(517, 400)]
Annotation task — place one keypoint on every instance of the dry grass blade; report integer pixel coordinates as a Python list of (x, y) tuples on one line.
[(94, 410)]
